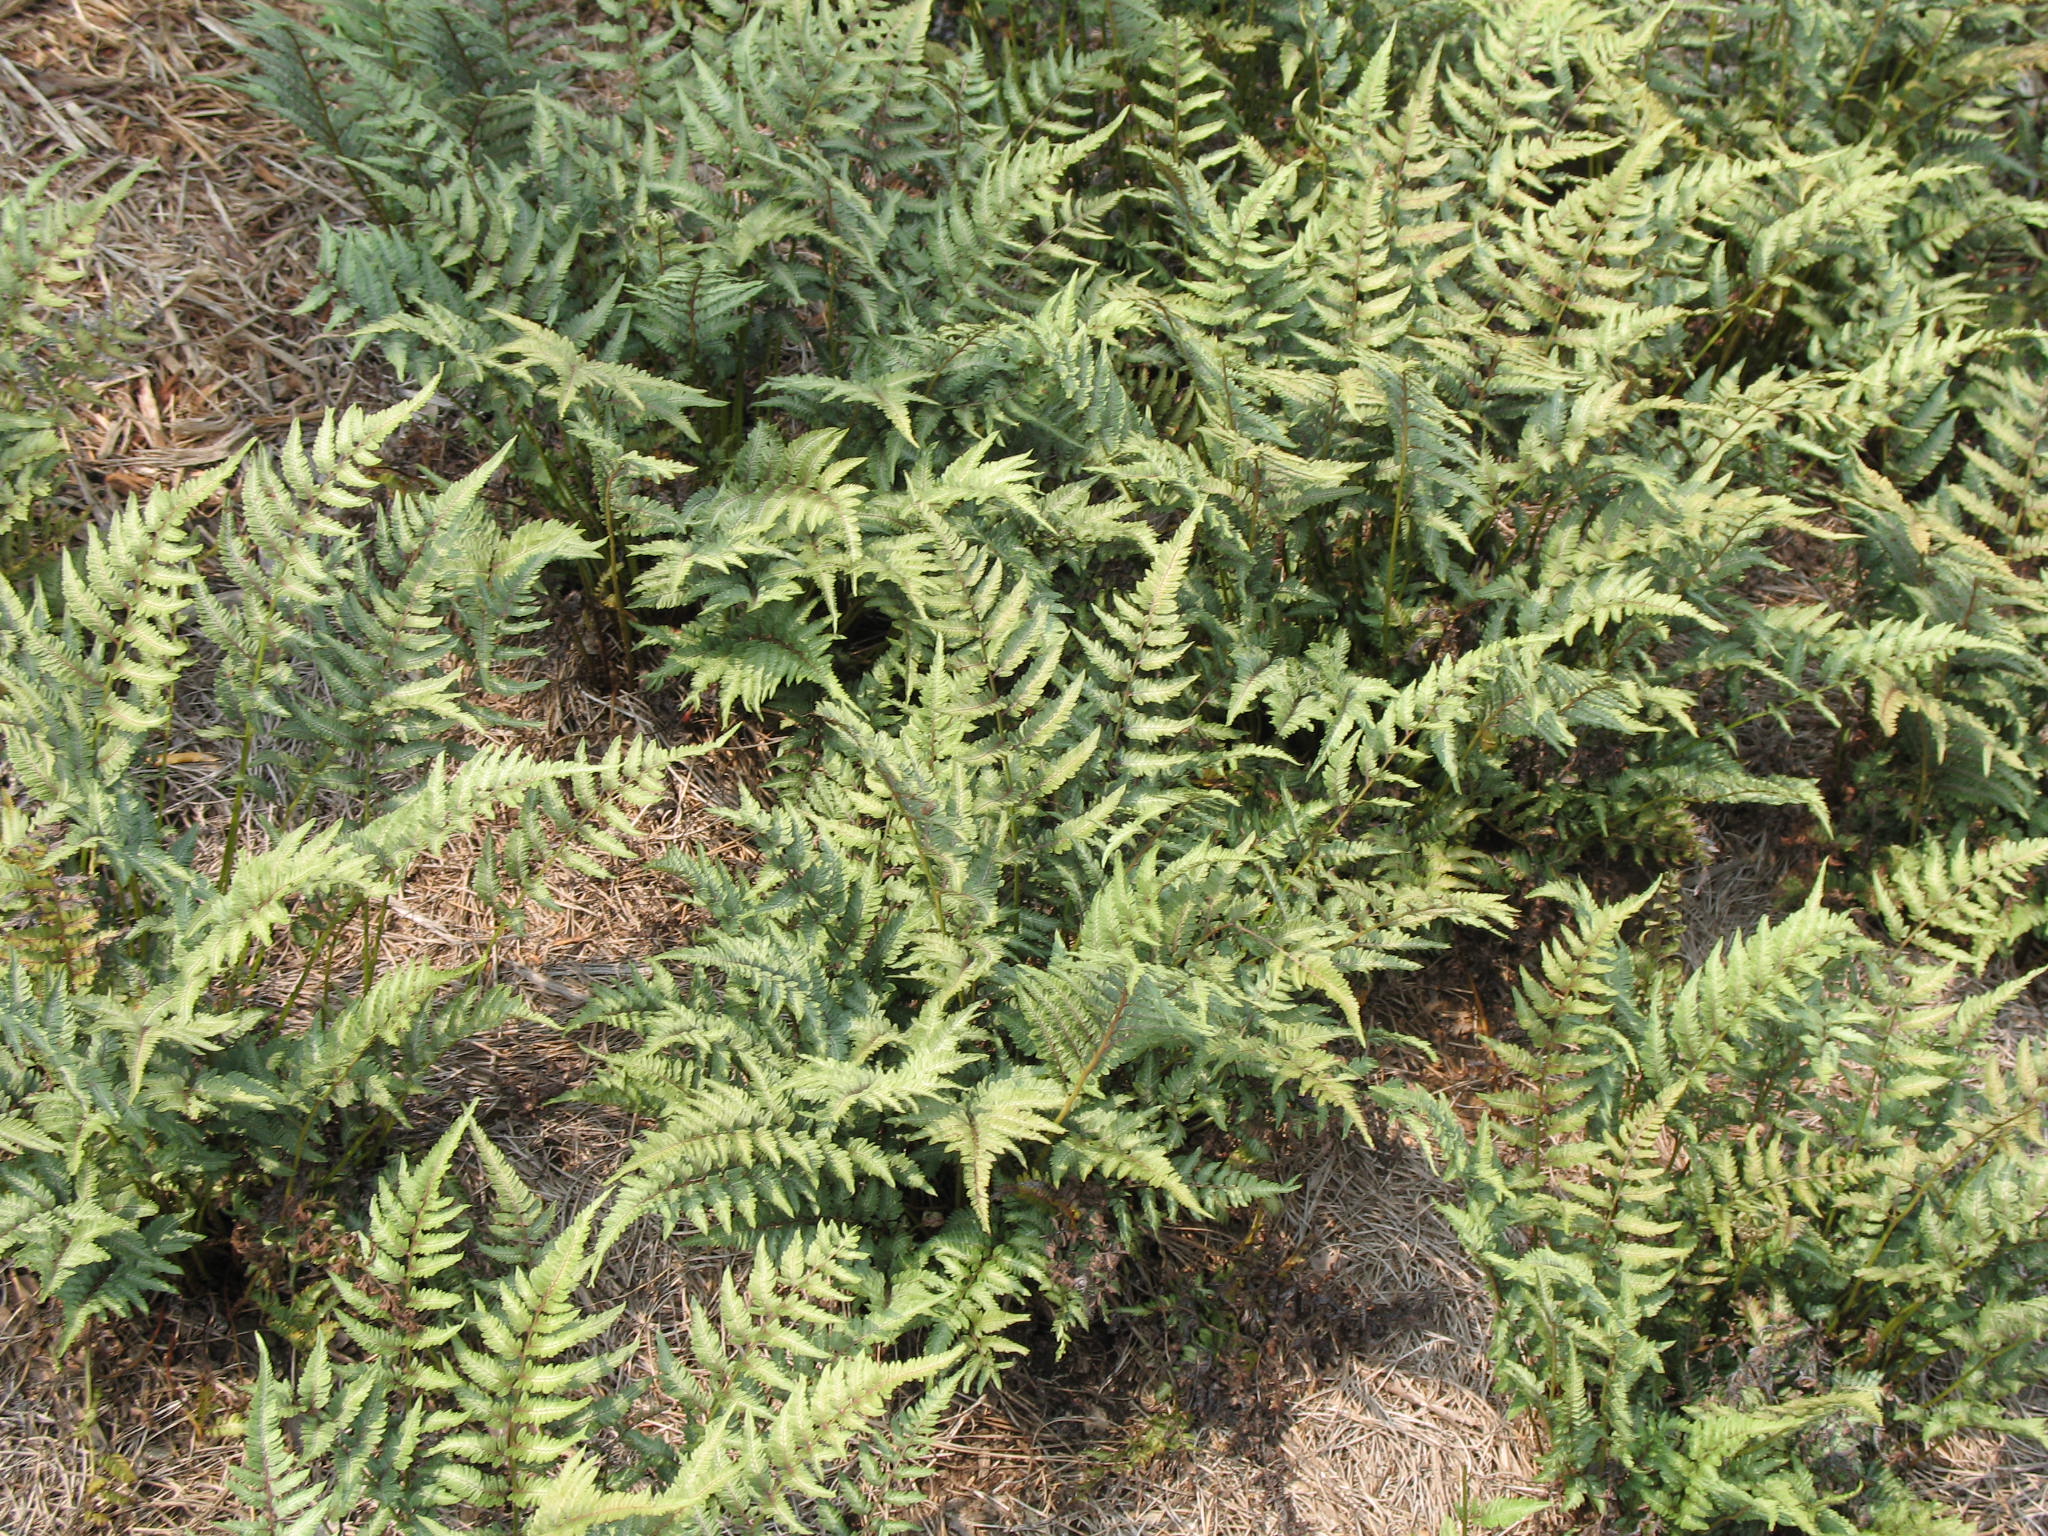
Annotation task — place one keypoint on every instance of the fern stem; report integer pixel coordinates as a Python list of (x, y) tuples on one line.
[(323, 947), (614, 567), (1926, 1187), (1103, 1042), (1884, 13), (246, 751), (917, 841)]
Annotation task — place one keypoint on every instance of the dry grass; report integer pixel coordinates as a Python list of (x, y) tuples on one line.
[(581, 926), (206, 256), (1763, 858), (1334, 1382), (122, 1437), (1339, 1388), (2000, 1481)]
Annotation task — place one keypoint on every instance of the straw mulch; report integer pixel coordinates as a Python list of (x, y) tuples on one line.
[(1999, 1481), (124, 1436), (1340, 1386), (206, 256), (1321, 1375)]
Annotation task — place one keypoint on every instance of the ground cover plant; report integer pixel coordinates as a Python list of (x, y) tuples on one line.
[(1226, 503)]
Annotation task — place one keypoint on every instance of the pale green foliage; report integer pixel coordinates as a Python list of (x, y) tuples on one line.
[(1011, 938), (478, 1399), (150, 1068), (1449, 363), (1227, 497), (1744, 1221), (46, 356), (2005, 489)]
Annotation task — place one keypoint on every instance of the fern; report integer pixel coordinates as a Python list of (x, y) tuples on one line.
[(480, 1390), (48, 358), (1224, 503), (1787, 1156), (151, 1068)]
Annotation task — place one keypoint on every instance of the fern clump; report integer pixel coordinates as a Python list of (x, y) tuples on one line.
[(998, 946), (473, 1386), (1463, 353), (1761, 1227), (157, 1069), (48, 358), (1228, 502)]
